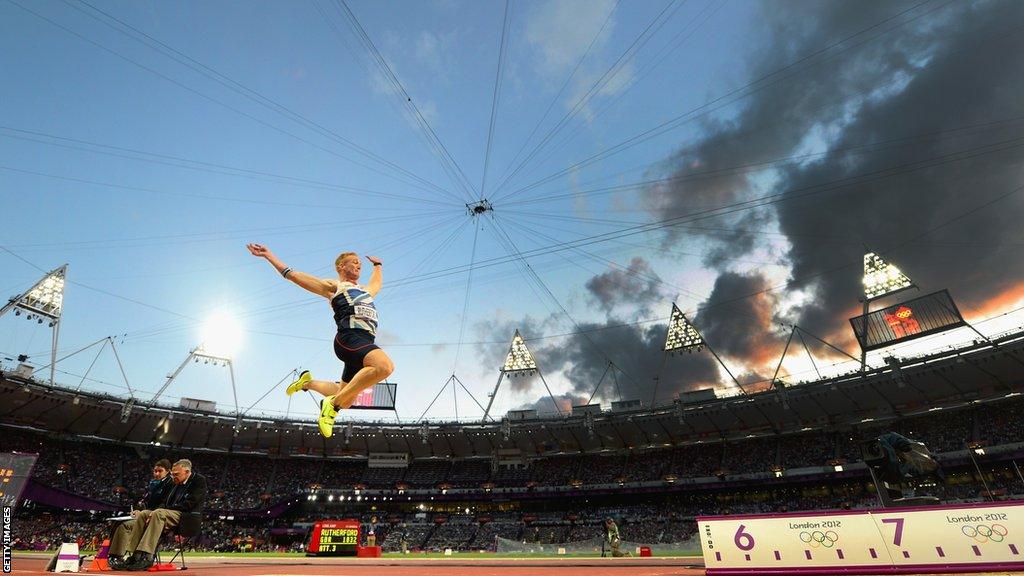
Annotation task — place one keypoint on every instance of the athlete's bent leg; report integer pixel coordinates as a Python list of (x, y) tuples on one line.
[(376, 367), (306, 382), (325, 387)]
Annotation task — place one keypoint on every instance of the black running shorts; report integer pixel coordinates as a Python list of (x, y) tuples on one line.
[(351, 347)]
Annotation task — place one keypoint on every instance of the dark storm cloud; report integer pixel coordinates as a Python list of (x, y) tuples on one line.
[(890, 99), (921, 121), (742, 326), (636, 286), (973, 77), (637, 354)]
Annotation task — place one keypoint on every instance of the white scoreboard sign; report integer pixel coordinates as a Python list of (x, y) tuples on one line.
[(932, 539)]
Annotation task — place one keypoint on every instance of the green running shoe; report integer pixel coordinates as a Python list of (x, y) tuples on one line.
[(300, 384), (327, 414)]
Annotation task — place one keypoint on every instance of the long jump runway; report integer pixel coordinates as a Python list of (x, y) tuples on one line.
[(228, 566)]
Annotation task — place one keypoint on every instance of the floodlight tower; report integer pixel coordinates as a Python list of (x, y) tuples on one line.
[(195, 355), (519, 362), (683, 336), (881, 279), (43, 302)]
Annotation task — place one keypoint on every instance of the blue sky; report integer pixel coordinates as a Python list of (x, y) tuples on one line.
[(148, 176)]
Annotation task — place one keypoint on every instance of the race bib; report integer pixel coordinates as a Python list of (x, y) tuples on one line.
[(366, 312)]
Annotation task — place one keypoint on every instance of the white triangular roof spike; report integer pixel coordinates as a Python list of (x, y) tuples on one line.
[(881, 277), (519, 358), (46, 297), (681, 334)]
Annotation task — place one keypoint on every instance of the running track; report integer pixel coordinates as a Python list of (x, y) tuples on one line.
[(33, 566), (25, 566)]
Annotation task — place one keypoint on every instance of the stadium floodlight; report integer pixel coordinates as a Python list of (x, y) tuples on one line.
[(519, 359), (519, 362), (882, 278), (44, 303), (47, 296), (681, 334)]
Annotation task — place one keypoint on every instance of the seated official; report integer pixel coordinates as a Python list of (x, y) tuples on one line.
[(141, 534), (156, 493), (159, 486)]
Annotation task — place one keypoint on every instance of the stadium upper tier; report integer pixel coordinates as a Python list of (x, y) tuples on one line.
[(945, 379)]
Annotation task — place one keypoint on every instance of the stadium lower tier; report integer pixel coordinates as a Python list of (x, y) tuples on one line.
[(113, 473), (663, 521)]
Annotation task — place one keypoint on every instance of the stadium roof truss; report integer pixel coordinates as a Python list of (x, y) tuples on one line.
[(979, 372)]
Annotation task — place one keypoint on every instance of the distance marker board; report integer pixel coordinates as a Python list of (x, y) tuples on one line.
[(932, 539)]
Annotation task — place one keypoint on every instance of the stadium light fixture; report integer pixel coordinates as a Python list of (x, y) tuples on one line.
[(47, 297), (882, 278), (44, 303), (519, 359), (681, 334)]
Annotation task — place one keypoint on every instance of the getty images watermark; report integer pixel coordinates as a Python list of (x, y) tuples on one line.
[(7, 539)]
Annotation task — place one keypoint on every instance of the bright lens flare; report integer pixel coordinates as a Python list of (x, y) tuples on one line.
[(222, 335)]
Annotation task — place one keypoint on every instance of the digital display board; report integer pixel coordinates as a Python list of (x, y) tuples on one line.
[(15, 469), (334, 538), (380, 396), (915, 318)]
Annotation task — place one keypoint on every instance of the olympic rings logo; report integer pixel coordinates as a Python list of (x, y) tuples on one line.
[(818, 538), (983, 533)]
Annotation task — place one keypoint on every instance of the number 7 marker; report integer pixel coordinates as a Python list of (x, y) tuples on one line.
[(898, 539)]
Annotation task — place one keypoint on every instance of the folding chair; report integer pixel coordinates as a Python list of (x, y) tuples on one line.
[(186, 530)]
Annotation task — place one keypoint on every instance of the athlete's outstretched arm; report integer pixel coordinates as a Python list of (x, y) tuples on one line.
[(319, 286), (376, 279)]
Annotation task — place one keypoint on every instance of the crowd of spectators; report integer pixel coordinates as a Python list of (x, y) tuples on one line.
[(999, 424), (117, 474), (454, 535), (603, 469), (407, 536), (556, 470), (429, 473), (506, 476), (489, 531), (48, 531), (654, 519), (755, 455), (470, 473)]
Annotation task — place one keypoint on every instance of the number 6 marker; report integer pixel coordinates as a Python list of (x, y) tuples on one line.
[(743, 540)]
